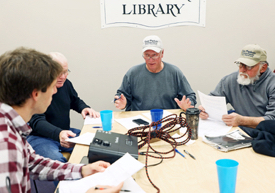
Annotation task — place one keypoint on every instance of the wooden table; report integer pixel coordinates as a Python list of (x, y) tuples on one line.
[(256, 172)]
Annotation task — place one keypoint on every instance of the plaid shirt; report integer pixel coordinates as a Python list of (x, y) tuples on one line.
[(18, 160)]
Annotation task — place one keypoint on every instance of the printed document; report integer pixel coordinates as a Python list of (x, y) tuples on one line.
[(119, 171), (128, 122), (215, 107), (94, 121), (84, 139)]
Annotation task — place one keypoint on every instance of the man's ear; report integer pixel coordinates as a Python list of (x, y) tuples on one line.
[(162, 53), (263, 69), (35, 94)]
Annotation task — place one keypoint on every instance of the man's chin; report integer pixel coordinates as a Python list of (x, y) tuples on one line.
[(58, 85)]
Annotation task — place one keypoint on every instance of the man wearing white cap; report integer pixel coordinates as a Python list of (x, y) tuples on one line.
[(250, 91), (154, 84)]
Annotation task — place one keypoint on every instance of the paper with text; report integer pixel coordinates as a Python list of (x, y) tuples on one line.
[(128, 122), (215, 106), (118, 172), (93, 121), (84, 139), (213, 128)]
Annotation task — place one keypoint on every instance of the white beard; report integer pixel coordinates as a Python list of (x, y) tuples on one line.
[(244, 79)]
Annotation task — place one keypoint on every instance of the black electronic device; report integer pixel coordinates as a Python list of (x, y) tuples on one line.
[(109, 146), (140, 122)]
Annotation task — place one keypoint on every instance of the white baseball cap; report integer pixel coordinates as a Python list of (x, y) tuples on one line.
[(252, 54), (152, 43)]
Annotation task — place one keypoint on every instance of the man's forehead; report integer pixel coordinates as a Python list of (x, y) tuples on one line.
[(150, 52)]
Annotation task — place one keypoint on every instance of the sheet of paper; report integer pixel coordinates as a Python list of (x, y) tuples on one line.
[(93, 121), (215, 106), (212, 128), (128, 122), (118, 172), (130, 184), (183, 138), (84, 139)]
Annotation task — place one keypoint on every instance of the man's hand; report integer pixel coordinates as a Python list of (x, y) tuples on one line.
[(184, 104), (203, 114), (232, 119), (106, 189), (121, 102), (65, 134), (91, 112), (93, 168)]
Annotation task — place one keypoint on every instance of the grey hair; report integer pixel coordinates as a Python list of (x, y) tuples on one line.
[(58, 57), (264, 62)]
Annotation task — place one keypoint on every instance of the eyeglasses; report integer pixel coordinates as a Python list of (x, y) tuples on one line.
[(66, 72), (154, 56), (241, 65)]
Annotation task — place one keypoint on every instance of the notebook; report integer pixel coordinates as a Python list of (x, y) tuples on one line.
[(231, 141)]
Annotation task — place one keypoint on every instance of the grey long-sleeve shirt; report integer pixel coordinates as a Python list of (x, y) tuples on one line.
[(145, 90), (255, 100)]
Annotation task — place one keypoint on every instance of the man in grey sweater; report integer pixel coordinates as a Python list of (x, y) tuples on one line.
[(250, 91), (154, 84)]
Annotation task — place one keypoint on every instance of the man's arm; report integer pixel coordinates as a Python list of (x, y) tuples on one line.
[(235, 120), (42, 127), (76, 103), (126, 95), (46, 169), (186, 96)]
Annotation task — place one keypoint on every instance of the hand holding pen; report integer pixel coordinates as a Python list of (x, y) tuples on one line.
[(120, 101), (203, 114)]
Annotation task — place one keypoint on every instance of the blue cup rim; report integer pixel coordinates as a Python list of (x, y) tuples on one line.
[(227, 163), (156, 110), (106, 111)]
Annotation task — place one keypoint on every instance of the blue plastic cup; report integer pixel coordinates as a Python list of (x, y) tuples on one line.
[(156, 115), (106, 119), (227, 175)]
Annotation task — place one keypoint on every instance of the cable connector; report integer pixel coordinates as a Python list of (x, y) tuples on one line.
[(153, 134)]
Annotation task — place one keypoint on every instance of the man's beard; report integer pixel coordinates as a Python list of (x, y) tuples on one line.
[(246, 81)]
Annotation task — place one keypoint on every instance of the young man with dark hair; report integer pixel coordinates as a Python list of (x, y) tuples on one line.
[(27, 82)]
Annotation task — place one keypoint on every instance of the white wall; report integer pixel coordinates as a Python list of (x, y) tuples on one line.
[(98, 58)]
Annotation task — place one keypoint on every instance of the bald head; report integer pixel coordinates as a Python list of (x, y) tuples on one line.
[(58, 57), (62, 60)]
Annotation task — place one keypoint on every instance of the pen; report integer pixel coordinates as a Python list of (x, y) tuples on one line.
[(97, 188), (97, 127), (179, 153), (189, 154), (116, 99), (8, 184)]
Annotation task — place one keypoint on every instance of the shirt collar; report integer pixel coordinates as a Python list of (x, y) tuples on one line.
[(20, 125)]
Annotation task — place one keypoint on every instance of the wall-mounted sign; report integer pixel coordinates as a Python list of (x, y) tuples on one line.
[(152, 14)]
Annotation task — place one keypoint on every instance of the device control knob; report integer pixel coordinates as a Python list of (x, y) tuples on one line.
[(106, 143)]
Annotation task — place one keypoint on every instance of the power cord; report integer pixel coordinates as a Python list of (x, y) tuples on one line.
[(146, 133), (144, 153)]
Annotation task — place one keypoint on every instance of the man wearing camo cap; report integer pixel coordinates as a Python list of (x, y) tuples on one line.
[(250, 90)]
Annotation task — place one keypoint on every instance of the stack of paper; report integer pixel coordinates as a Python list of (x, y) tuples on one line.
[(215, 107), (119, 171)]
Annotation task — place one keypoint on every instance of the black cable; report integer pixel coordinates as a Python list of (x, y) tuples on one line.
[(144, 153), (145, 133)]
